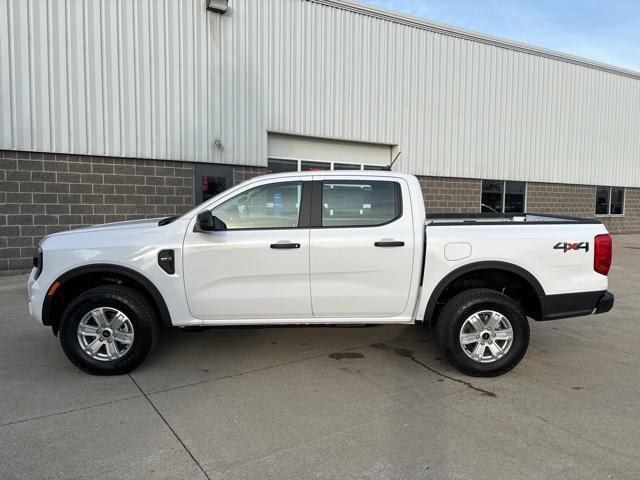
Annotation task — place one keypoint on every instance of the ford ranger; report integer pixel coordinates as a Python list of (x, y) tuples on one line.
[(341, 247)]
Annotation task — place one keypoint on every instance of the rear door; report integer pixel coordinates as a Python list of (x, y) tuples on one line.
[(362, 247)]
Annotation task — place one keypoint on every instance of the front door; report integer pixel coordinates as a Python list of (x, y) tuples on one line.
[(259, 266), (362, 247)]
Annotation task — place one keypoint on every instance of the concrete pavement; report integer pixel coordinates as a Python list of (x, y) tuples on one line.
[(328, 403)]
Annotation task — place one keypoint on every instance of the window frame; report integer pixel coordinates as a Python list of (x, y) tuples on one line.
[(361, 166), (504, 196), (316, 212), (304, 211), (609, 190)]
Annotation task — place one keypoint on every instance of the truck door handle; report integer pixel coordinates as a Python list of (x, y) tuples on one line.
[(282, 245), (389, 244)]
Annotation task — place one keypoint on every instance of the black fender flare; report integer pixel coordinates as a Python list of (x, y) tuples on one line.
[(473, 267), (151, 289)]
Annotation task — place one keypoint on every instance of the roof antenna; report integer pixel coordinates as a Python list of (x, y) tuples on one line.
[(393, 161)]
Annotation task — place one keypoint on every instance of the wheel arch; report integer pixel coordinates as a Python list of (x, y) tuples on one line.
[(527, 286), (88, 276)]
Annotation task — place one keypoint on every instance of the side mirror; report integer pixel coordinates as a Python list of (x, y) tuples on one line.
[(208, 223), (218, 224)]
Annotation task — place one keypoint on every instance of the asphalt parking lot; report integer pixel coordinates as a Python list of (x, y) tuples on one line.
[(328, 403)]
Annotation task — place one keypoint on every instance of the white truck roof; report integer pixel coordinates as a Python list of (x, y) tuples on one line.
[(339, 173)]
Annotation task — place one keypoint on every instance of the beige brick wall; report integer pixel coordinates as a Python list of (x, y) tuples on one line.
[(451, 195), (561, 199), (630, 223), (462, 195), (43, 193), (579, 200), (47, 193), (242, 173)]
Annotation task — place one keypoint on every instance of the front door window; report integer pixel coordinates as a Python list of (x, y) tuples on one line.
[(276, 205)]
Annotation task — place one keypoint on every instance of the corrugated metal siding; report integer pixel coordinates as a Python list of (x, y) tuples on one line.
[(110, 77), (165, 79)]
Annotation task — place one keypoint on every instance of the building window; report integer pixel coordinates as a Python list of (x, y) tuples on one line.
[(210, 180), (514, 194), (346, 166), (281, 165), (307, 166), (500, 196), (609, 200)]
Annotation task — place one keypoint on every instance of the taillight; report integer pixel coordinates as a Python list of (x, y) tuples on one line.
[(602, 253)]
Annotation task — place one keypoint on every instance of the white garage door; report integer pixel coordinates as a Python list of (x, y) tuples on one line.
[(294, 152)]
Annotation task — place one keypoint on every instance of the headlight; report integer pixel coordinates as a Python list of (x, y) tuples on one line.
[(37, 263)]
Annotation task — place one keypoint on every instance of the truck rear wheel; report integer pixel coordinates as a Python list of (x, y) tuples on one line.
[(482, 332), (108, 330)]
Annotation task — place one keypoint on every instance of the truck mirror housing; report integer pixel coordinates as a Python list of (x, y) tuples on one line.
[(206, 222), (218, 224)]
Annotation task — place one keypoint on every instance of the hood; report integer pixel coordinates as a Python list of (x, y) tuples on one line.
[(126, 225)]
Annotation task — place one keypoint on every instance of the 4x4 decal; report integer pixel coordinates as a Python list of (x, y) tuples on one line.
[(566, 246)]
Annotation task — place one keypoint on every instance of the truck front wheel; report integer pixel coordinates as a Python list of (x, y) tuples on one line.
[(482, 332), (108, 330)]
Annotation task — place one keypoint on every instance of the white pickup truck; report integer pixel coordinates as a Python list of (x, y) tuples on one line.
[(319, 248)]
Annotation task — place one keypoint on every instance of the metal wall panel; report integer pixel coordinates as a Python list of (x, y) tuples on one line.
[(166, 79), (108, 77)]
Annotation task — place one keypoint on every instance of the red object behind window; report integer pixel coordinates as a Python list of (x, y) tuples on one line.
[(602, 255)]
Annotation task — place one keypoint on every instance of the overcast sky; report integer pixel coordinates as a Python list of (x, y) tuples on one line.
[(604, 30)]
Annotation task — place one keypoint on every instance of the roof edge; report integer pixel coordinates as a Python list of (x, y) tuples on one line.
[(437, 27)]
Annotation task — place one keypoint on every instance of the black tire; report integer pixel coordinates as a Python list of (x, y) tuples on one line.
[(465, 304), (129, 302)]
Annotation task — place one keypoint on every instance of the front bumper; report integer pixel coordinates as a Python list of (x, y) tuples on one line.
[(578, 304), (35, 297)]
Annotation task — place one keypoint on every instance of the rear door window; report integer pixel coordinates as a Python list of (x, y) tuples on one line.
[(360, 203)]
